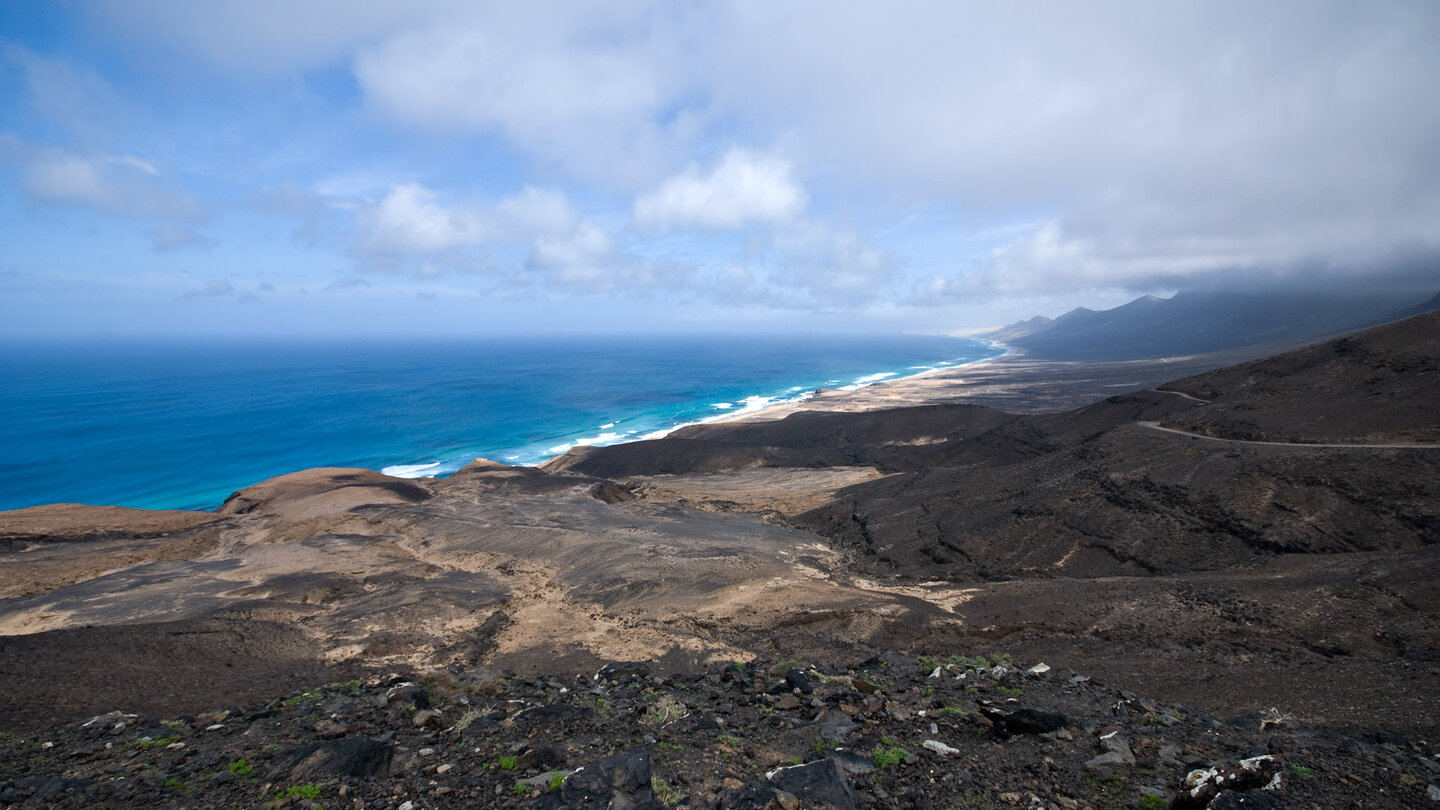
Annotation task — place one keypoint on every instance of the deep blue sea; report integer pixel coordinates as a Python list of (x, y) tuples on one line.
[(181, 426)]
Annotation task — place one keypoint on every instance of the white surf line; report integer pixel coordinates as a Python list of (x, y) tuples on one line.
[(1156, 426), (1181, 394)]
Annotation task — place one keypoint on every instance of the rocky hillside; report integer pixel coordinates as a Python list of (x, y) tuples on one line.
[(1249, 549)]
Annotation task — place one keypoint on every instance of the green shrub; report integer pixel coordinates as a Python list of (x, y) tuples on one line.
[(885, 757), (305, 791), (242, 768)]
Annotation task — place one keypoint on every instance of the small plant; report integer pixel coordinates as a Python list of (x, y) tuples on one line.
[(174, 783), (175, 724), (242, 768), (509, 763), (466, 719), (783, 668), (665, 711), (519, 789), (927, 691), (885, 757), (1274, 717), (1012, 691), (308, 694), (1302, 771), (1152, 802), (729, 739), (556, 780), (955, 710), (663, 791), (669, 746), (306, 791)]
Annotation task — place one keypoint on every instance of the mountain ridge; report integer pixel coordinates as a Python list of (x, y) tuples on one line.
[(1192, 323)]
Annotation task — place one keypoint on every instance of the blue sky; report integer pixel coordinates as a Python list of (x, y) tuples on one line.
[(328, 167)]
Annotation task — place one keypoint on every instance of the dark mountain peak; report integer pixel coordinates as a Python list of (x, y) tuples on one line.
[(1199, 322)]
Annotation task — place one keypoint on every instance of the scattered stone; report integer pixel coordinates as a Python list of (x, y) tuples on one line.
[(1023, 721), (798, 680), (1202, 786), (821, 785), (619, 780), (1108, 764), (1038, 670), (357, 758), (939, 747), (787, 702), (851, 761), (863, 686)]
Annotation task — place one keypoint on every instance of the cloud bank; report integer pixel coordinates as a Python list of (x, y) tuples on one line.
[(916, 155)]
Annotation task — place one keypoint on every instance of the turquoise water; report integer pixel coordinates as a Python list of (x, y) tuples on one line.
[(164, 425)]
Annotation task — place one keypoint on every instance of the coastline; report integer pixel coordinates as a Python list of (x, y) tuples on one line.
[(855, 397), (1012, 381)]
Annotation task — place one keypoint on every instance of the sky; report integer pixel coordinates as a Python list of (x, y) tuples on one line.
[(326, 167)]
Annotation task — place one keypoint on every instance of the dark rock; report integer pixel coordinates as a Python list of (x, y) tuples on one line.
[(833, 725), (409, 695), (797, 680), (704, 721), (901, 666), (540, 758), (553, 713), (617, 781), (749, 796), (851, 761), (622, 669), (1246, 800), (822, 785), (357, 758), (1023, 721), (45, 787)]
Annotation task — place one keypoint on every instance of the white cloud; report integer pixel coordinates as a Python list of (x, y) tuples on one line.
[(536, 211), (830, 265), (743, 187), (583, 85), (409, 220), (116, 185), (1166, 143)]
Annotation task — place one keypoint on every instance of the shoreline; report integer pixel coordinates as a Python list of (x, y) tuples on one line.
[(780, 410)]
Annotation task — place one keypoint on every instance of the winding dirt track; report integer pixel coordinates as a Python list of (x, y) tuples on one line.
[(1351, 446)]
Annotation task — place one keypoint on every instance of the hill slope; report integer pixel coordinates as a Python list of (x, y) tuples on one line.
[(1199, 322)]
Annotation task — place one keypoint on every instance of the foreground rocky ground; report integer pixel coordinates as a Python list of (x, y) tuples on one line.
[(891, 731)]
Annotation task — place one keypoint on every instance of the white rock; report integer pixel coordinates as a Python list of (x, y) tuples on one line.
[(1038, 669), (939, 747), (1433, 792)]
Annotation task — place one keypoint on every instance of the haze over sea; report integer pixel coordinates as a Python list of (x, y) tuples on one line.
[(162, 425)]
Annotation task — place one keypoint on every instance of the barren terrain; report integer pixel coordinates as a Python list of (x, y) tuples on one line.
[(1281, 571)]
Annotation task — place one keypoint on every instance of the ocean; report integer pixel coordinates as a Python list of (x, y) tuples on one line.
[(164, 425)]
